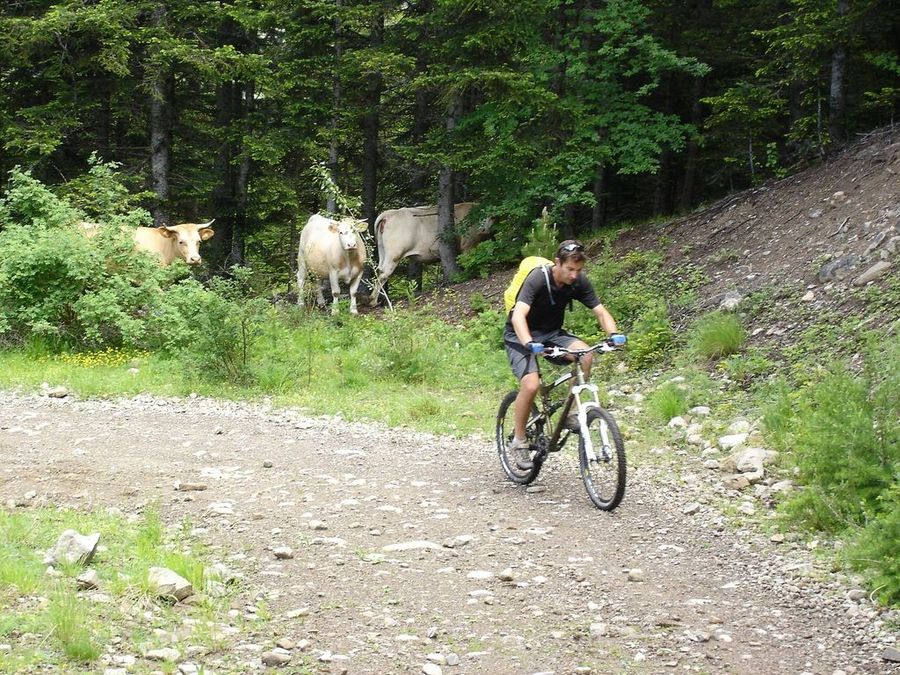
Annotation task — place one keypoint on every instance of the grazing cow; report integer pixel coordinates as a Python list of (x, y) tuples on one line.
[(167, 243), (412, 232), (333, 249)]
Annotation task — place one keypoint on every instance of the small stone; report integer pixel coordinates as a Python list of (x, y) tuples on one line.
[(436, 657), (711, 464), (635, 574), (218, 431), (164, 654), (731, 301), (410, 546), (874, 272), (283, 552), (285, 643), (190, 487), (699, 411), (267, 464), (691, 508), (295, 613), (165, 583), (276, 658), (188, 668), (677, 423), (599, 629), (856, 595), (777, 538), (452, 659), (891, 654), (87, 580), (480, 575), (737, 482), (432, 669), (506, 575), (809, 296), (536, 489), (317, 525), (56, 392), (747, 508)]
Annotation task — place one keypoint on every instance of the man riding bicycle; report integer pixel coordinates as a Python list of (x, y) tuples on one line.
[(536, 320)]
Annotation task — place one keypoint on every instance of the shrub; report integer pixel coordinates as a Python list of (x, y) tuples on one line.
[(485, 257), (744, 368), (716, 335), (542, 239), (225, 326), (668, 401), (845, 436), (27, 202), (650, 336), (102, 195)]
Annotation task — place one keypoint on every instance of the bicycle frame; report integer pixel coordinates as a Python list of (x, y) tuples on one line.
[(577, 395)]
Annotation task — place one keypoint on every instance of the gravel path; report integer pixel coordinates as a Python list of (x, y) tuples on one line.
[(408, 546)]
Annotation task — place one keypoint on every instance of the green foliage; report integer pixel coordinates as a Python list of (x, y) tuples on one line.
[(668, 401), (74, 290), (226, 325), (844, 434), (650, 336), (102, 195), (873, 550), (69, 627), (716, 335), (745, 368), (542, 239), (486, 257), (27, 202)]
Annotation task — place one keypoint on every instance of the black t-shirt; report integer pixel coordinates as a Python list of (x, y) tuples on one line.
[(545, 317)]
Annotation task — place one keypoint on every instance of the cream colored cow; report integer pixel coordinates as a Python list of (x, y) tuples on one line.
[(334, 250)]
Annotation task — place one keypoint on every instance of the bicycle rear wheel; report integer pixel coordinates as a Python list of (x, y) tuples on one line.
[(604, 477), (504, 434)]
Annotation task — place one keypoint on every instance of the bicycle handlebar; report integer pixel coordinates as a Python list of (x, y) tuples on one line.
[(604, 346)]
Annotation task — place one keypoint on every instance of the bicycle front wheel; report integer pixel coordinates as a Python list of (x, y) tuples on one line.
[(504, 435), (604, 474)]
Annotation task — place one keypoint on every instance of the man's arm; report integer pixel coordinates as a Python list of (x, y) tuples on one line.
[(604, 318), (519, 322)]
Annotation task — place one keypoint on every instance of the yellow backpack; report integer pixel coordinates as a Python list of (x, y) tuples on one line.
[(528, 264)]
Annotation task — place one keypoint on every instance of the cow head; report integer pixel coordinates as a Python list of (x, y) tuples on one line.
[(346, 230), (187, 238)]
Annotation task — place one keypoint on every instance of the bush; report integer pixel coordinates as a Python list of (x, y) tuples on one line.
[(716, 335), (650, 336), (845, 435), (542, 239), (224, 326), (27, 202)]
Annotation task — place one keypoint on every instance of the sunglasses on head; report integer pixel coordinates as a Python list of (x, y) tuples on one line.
[(569, 248)]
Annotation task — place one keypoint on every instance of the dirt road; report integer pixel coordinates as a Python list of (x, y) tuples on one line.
[(408, 544)]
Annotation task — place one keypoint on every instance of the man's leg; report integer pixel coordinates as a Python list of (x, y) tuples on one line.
[(528, 387)]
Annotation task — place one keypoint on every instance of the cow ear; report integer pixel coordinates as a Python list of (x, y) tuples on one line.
[(361, 225), (206, 233), (165, 231)]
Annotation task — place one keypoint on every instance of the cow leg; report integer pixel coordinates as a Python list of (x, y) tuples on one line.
[(354, 284), (384, 271), (335, 290), (320, 296), (415, 272), (301, 279)]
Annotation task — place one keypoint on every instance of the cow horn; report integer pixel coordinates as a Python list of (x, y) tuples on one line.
[(209, 223)]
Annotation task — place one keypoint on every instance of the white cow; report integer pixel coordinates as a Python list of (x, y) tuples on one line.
[(167, 243), (333, 249), (412, 232)]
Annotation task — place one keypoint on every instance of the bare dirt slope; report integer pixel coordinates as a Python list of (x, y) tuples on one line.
[(818, 230), (708, 598)]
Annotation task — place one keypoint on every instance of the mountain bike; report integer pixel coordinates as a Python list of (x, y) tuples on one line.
[(601, 453)]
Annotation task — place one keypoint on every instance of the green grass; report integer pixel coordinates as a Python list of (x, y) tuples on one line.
[(716, 335), (667, 402), (50, 624)]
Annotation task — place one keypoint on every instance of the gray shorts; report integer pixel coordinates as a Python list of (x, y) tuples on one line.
[(523, 362)]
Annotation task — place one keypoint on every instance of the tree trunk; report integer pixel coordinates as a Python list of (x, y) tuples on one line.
[(419, 173), (837, 97), (370, 129), (161, 94), (331, 203), (218, 249), (598, 211), (690, 157), (447, 238), (244, 105)]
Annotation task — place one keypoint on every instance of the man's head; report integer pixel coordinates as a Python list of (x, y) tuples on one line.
[(569, 261)]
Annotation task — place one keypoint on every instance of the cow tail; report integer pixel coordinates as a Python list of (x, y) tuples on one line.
[(379, 234)]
